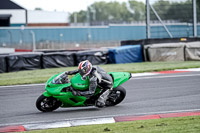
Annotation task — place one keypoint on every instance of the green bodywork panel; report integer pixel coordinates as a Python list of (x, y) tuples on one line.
[(68, 99), (119, 78), (55, 89), (78, 83)]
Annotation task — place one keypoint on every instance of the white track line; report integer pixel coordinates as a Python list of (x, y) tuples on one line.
[(109, 117), (143, 74), (171, 76), (26, 85), (191, 69)]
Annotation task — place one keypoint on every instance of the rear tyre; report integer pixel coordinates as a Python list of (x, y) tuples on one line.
[(116, 96), (47, 104)]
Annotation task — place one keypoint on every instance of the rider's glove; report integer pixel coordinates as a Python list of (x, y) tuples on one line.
[(66, 72), (76, 93), (69, 73)]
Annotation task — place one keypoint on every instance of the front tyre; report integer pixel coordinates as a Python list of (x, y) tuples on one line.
[(116, 96), (47, 104)]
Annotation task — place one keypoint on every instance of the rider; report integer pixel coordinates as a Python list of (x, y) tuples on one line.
[(97, 77)]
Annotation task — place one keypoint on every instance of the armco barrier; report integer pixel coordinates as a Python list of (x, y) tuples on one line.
[(192, 51), (96, 57), (58, 59), (126, 54), (24, 61), (3, 64)]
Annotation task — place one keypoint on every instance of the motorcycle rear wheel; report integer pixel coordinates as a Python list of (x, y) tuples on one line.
[(47, 104), (116, 96)]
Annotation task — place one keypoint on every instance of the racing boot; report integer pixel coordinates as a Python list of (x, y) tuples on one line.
[(101, 101)]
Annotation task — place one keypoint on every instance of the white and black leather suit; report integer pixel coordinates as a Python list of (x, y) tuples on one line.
[(97, 77)]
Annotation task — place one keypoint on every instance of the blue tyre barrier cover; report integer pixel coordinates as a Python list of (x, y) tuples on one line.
[(126, 54)]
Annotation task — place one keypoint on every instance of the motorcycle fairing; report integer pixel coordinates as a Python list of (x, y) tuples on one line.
[(78, 83), (119, 78)]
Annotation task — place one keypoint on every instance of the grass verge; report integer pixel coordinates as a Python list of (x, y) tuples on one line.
[(41, 76), (189, 124)]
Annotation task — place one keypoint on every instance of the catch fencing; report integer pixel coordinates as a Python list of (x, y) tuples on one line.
[(78, 37), (185, 13)]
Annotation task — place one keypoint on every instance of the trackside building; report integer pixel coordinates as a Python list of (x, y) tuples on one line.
[(14, 15)]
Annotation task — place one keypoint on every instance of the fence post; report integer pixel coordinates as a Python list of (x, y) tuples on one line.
[(194, 18), (33, 37), (148, 30), (9, 32)]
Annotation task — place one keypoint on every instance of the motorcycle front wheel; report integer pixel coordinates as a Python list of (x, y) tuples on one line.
[(116, 96), (47, 104)]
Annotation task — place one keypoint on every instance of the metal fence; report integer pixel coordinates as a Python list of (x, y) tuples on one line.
[(164, 19), (185, 13), (69, 37), (86, 37)]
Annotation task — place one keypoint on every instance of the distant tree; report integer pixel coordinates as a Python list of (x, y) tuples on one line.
[(198, 3), (178, 11), (181, 11), (81, 16), (111, 11), (38, 8), (105, 11), (134, 10), (137, 9), (161, 8), (198, 10)]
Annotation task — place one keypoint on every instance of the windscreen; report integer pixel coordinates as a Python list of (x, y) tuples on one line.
[(61, 79)]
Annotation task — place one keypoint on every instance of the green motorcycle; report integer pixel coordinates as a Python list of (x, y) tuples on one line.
[(59, 92)]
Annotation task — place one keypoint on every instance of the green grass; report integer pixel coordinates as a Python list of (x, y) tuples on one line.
[(41, 76), (188, 124)]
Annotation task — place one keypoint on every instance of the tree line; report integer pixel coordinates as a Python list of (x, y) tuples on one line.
[(134, 11)]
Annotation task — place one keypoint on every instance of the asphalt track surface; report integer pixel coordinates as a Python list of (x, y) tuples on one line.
[(145, 95)]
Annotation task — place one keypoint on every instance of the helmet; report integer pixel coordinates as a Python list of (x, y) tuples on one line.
[(84, 68)]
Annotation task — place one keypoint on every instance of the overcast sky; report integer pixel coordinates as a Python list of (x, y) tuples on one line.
[(64, 5), (59, 5)]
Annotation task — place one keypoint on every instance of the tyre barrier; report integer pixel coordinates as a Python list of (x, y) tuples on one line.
[(23, 61), (96, 57), (170, 49), (126, 54), (38, 60), (3, 64), (165, 52), (192, 51), (58, 59), (181, 51)]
